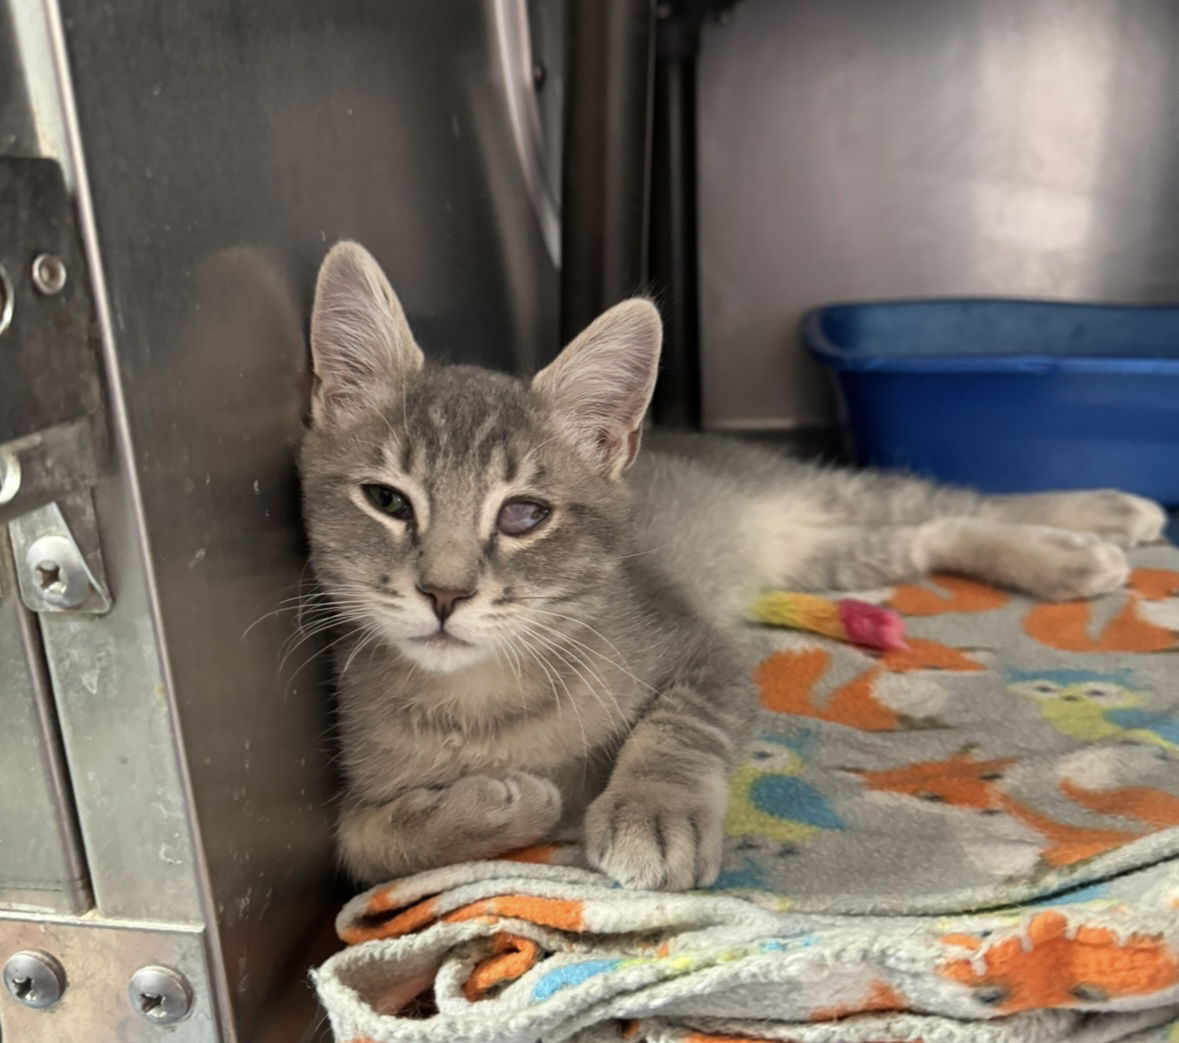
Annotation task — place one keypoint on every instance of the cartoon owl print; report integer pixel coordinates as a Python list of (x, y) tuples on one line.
[(1092, 706)]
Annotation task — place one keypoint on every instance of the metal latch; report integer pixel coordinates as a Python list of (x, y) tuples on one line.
[(52, 429), (51, 418)]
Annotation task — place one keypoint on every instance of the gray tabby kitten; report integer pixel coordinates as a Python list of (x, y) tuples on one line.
[(537, 639)]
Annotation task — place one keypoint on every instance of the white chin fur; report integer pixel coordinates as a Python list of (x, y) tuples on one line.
[(442, 659)]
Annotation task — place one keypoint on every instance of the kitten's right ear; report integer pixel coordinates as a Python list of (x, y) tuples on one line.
[(360, 340)]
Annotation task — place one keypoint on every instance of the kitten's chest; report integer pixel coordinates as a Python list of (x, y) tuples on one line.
[(557, 741), (490, 723), (543, 743)]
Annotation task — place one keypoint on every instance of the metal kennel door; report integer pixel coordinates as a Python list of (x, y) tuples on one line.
[(170, 176)]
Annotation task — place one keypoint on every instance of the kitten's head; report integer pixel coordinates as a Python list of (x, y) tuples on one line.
[(456, 512)]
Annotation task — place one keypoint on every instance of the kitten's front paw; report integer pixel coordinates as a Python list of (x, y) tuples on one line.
[(656, 836), (520, 808), (1061, 565)]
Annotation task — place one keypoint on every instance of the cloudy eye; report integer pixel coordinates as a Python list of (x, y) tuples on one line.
[(517, 517), (389, 501)]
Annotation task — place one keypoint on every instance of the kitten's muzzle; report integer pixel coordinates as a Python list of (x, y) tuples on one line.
[(444, 601)]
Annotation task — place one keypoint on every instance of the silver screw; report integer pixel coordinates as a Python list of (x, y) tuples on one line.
[(160, 995), (58, 572), (49, 274), (35, 979)]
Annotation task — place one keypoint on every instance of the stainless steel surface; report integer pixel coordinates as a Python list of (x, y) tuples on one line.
[(49, 274), (99, 959), (34, 979), (160, 995), (214, 151), (854, 149), (118, 727), (119, 739), (41, 865), (32, 109)]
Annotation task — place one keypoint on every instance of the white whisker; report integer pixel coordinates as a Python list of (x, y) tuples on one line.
[(574, 661), (623, 666), (371, 635), (554, 676), (314, 655)]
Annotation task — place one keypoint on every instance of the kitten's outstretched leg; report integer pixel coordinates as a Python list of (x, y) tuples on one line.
[(1053, 564), (887, 498), (1121, 518), (476, 817)]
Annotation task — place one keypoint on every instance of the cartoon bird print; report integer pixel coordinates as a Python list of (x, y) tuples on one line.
[(1092, 706), (768, 800)]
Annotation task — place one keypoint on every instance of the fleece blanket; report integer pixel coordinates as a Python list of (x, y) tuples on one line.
[(975, 838)]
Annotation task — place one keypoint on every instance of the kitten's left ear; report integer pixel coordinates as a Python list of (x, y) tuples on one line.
[(361, 343), (600, 386)]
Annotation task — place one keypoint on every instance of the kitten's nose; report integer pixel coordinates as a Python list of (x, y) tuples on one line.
[(445, 600)]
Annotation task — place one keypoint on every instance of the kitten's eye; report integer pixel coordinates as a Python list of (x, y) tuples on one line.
[(389, 501), (517, 517)]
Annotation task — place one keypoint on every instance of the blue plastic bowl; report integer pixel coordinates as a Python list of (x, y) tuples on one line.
[(1009, 396)]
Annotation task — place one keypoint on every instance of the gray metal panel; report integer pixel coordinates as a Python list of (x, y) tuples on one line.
[(856, 149), (119, 739), (226, 146), (41, 865), (17, 133), (117, 727), (214, 151)]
